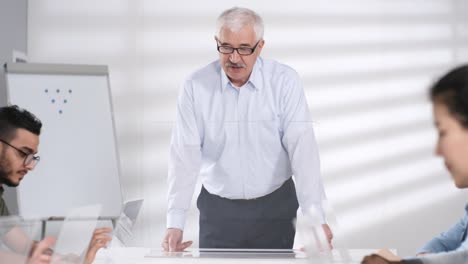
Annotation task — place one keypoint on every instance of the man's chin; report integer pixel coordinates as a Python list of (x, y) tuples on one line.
[(11, 183)]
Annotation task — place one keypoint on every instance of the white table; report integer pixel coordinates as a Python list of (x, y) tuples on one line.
[(148, 255)]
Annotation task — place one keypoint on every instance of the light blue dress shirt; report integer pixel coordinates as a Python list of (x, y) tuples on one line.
[(450, 240), (454, 257), (244, 142)]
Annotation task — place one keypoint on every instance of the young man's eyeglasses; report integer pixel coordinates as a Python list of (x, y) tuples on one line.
[(28, 158), (244, 51)]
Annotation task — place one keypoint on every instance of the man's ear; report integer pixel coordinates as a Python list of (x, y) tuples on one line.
[(262, 42), (260, 46)]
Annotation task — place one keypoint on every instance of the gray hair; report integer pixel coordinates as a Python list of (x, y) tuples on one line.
[(237, 17)]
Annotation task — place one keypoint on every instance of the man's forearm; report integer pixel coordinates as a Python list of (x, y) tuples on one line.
[(10, 257), (441, 258)]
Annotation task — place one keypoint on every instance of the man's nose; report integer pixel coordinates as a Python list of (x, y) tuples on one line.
[(30, 166), (234, 57)]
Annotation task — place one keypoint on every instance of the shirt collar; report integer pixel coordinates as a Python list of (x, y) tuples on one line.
[(255, 79)]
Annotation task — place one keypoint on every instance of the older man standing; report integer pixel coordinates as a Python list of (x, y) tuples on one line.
[(244, 126)]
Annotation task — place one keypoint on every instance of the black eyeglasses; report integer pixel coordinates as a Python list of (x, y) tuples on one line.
[(244, 51), (28, 158)]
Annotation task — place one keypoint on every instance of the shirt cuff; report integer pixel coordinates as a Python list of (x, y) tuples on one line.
[(176, 219), (316, 212)]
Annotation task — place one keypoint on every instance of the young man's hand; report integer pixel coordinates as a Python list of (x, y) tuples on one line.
[(101, 237), (41, 253)]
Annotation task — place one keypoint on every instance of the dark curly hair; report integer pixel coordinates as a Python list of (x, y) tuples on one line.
[(452, 91), (14, 117)]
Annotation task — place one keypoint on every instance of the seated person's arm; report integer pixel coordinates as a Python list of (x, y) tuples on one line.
[(448, 241), (453, 257), (38, 256), (10, 257), (443, 258), (17, 240)]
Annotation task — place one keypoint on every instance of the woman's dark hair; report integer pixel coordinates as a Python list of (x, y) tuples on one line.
[(452, 91), (14, 117)]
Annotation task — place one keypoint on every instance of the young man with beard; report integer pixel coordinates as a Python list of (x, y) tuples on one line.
[(19, 142)]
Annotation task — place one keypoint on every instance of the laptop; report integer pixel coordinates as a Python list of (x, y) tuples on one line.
[(122, 234)]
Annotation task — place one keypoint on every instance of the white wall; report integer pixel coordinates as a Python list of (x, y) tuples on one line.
[(13, 28), (13, 32), (366, 66)]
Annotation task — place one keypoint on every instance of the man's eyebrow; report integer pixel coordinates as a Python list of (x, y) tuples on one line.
[(245, 45), (241, 45), (27, 150)]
